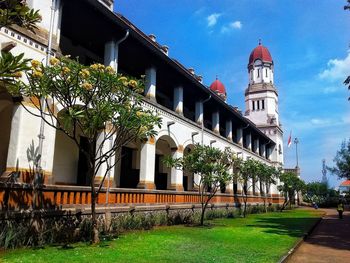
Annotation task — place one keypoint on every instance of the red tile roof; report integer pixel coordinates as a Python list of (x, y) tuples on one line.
[(260, 52), (218, 87), (345, 183)]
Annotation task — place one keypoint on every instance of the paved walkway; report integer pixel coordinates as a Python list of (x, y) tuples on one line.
[(329, 242)]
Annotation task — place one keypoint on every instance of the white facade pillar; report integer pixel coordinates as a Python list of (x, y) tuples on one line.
[(256, 146), (268, 153), (229, 185), (178, 100), (239, 188), (100, 150), (196, 179), (147, 164), (263, 150), (150, 85), (248, 138), (176, 175), (199, 112), (229, 130), (239, 136), (216, 122), (110, 54)]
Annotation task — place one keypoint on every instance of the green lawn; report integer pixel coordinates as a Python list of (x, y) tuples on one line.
[(258, 238)]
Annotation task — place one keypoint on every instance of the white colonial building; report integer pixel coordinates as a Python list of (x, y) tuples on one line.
[(190, 111)]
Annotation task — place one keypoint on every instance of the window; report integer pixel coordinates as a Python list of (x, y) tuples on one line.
[(251, 74), (266, 72), (258, 106), (253, 102), (258, 73), (262, 104)]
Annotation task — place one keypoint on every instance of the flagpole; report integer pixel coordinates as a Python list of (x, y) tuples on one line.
[(296, 141)]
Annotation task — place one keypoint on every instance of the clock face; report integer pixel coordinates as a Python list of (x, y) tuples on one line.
[(258, 62)]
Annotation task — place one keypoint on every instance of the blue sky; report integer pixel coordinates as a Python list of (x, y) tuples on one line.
[(308, 40)]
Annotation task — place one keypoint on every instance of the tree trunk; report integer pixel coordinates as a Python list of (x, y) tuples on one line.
[(94, 234), (202, 215)]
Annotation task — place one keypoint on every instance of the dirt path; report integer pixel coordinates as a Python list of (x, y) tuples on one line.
[(329, 242)]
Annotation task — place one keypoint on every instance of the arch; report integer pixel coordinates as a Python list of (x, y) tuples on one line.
[(169, 136), (6, 113), (165, 146)]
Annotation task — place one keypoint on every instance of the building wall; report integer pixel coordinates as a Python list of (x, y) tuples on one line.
[(60, 156)]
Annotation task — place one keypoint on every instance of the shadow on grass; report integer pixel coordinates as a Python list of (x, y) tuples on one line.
[(294, 227)]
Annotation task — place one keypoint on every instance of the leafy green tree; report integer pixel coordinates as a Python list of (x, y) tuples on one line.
[(342, 162), (267, 175), (97, 103), (15, 12), (291, 185), (320, 193), (213, 166), (248, 173)]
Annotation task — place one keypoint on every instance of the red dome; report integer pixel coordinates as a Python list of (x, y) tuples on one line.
[(218, 87), (260, 52)]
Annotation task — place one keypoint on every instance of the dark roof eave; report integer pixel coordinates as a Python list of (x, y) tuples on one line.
[(115, 18)]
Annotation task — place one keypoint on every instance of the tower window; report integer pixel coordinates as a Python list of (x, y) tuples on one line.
[(251, 75), (258, 104), (262, 104), (253, 103), (266, 72), (258, 73)]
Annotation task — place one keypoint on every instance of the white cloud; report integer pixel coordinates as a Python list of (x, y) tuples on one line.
[(213, 19), (236, 25), (337, 69), (333, 89)]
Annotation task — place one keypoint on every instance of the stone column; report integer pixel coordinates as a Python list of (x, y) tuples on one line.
[(176, 175), (229, 130), (196, 179), (263, 150), (199, 112), (216, 122), (268, 153), (239, 136), (100, 150), (229, 185), (150, 85), (256, 146), (250, 187), (178, 100), (249, 141), (147, 164), (239, 188), (110, 54)]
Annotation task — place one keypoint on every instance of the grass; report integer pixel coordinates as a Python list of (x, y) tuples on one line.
[(258, 238)]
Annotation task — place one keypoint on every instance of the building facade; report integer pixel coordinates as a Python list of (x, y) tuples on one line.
[(191, 112)]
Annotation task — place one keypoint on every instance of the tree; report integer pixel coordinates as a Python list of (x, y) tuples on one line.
[(15, 12), (291, 185), (248, 173), (267, 175), (97, 104), (213, 166), (320, 193), (342, 161)]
